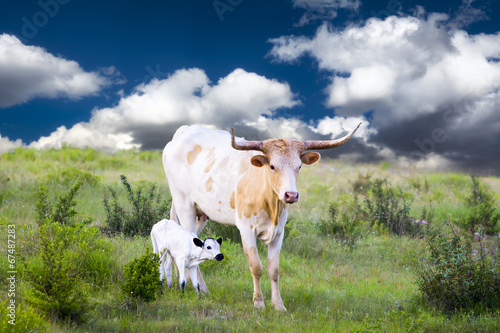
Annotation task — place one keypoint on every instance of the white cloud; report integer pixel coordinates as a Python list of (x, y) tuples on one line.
[(155, 110), (6, 145), (334, 126), (416, 76), (27, 72), (401, 66)]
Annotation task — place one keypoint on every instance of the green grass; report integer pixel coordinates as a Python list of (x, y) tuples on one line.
[(325, 285)]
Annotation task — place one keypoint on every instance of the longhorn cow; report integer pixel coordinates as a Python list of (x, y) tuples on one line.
[(250, 185)]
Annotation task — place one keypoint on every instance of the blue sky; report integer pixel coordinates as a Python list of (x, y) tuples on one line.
[(422, 76)]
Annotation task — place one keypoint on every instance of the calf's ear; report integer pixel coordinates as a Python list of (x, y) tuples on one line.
[(198, 242), (219, 240)]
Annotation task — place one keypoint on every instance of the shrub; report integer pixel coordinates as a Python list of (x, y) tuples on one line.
[(145, 212), (26, 319), (63, 257), (363, 183), (64, 210), (344, 225), (141, 277), (456, 277), (70, 175), (55, 284), (388, 207), (482, 214)]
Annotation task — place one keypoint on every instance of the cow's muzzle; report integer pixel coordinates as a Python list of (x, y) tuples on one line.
[(291, 197), (219, 257)]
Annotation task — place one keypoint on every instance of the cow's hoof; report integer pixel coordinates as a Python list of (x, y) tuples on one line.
[(259, 304), (279, 306)]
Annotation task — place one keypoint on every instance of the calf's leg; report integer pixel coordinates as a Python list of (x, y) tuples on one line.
[(168, 263)]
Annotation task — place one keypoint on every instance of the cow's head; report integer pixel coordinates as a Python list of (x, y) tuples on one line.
[(210, 248), (283, 159)]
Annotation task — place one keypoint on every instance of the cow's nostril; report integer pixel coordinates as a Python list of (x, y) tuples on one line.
[(219, 257), (291, 197)]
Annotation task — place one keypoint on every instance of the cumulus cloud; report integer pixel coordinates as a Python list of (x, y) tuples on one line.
[(27, 72), (6, 145), (323, 9), (148, 117), (432, 90)]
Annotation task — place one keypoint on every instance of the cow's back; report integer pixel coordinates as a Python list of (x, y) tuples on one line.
[(202, 170)]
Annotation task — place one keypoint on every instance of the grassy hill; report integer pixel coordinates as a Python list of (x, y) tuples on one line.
[(339, 271)]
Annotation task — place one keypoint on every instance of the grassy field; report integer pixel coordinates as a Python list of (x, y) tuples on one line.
[(326, 285)]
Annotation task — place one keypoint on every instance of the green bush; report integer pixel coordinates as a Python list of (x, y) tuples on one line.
[(456, 277), (147, 209), (482, 215), (62, 258), (70, 175), (56, 288), (363, 183), (387, 207), (344, 225), (64, 210), (141, 277), (26, 319)]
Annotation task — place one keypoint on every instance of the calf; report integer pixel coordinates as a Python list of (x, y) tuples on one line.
[(173, 241)]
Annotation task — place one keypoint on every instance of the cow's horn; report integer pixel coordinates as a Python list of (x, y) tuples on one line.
[(246, 145), (327, 144)]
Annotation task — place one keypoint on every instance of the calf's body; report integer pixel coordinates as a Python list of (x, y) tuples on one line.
[(172, 242)]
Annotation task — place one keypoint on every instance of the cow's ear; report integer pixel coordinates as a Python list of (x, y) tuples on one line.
[(219, 240), (198, 242), (310, 157), (259, 160)]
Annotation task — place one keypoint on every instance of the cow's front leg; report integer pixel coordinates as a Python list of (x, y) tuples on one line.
[(274, 249), (250, 246)]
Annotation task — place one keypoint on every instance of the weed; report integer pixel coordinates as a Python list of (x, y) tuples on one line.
[(146, 210), (363, 183), (69, 175), (25, 319), (456, 277), (344, 225), (56, 288), (482, 214), (388, 207), (64, 210)]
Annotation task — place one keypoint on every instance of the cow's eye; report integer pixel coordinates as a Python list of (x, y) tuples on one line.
[(272, 167), (209, 247)]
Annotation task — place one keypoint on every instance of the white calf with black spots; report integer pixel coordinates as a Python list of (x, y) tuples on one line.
[(173, 242)]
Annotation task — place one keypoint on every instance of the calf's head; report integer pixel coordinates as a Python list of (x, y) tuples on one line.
[(210, 248), (283, 159)]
